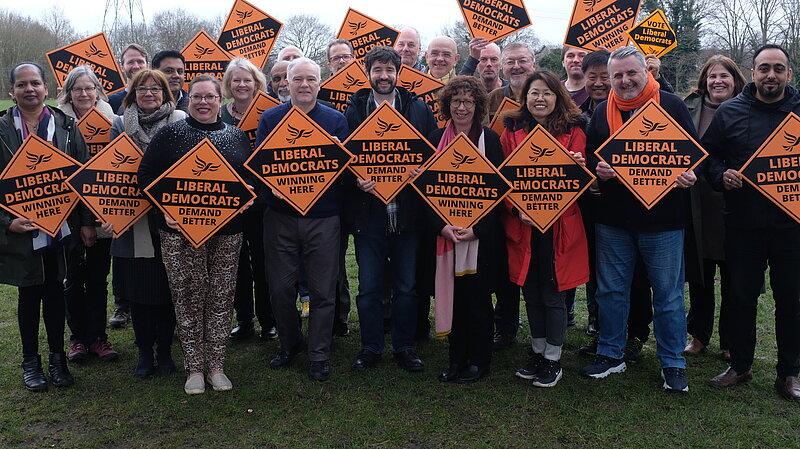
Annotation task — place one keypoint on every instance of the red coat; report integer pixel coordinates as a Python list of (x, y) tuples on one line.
[(569, 237)]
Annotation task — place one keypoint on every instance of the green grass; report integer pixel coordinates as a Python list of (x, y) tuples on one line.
[(389, 408)]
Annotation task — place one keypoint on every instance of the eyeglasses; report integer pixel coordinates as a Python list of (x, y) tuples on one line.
[(153, 90), (513, 62), (339, 58), (546, 94), (466, 103), (84, 90), (200, 98)]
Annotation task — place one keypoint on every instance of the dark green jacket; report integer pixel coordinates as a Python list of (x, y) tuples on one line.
[(19, 265)]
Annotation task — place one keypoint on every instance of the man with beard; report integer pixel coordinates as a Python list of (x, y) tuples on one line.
[(386, 231), (485, 58), (518, 62), (278, 84), (171, 64), (133, 59), (757, 232), (408, 45), (442, 57)]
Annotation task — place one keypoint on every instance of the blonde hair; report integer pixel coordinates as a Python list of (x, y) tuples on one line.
[(244, 64)]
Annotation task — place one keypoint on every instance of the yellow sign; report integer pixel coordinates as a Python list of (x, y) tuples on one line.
[(653, 35)]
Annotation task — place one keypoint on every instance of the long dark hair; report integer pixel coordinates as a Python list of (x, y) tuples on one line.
[(564, 114)]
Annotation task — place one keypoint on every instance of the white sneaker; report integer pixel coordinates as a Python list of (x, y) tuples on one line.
[(195, 385), (220, 382)]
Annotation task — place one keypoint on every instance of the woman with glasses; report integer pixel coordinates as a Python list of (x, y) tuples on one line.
[(546, 264), (202, 280), (139, 273), (86, 288)]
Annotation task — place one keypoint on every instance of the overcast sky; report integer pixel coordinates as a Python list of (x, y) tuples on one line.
[(549, 18)]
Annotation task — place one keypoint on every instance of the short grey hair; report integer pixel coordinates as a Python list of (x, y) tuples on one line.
[(74, 75), (516, 46), (626, 52), (299, 61)]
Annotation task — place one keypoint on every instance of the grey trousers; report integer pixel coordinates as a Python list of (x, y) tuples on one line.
[(286, 237)]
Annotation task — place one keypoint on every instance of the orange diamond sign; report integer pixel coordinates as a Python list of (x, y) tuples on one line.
[(386, 149), (774, 169), (425, 87), (337, 89), (545, 177), (94, 51), (299, 160), (32, 185), (460, 184), (601, 23), (654, 35), (204, 55), (364, 32), (249, 33), (95, 128), (497, 120), (494, 19), (108, 184), (249, 122), (649, 152), (202, 192)]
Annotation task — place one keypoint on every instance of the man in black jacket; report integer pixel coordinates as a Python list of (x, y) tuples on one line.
[(757, 232), (386, 231)]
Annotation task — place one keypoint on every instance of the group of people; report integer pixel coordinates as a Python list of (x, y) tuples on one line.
[(634, 261)]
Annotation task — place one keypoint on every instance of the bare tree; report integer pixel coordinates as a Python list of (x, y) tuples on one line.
[(23, 39), (766, 13), (307, 33), (173, 29), (59, 26), (729, 28)]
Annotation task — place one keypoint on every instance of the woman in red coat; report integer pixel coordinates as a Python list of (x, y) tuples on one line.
[(546, 264)]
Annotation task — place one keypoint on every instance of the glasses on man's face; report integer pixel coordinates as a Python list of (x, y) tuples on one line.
[(84, 90), (513, 62), (466, 103), (341, 58), (199, 98), (153, 90)]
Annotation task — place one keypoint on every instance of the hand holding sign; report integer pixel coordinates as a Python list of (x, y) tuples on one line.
[(21, 225), (732, 179), (686, 179)]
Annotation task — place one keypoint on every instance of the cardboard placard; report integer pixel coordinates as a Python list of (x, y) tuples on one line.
[(108, 185), (460, 184), (386, 149), (249, 122), (337, 89), (95, 129), (299, 160), (649, 152), (94, 51), (601, 23), (497, 120), (204, 55), (774, 169), (425, 87), (545, 177), (202, 192), (32, 185), (364, 32), (654, 35), (494, 19), (249, 33)]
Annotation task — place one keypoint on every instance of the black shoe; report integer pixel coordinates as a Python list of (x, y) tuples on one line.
[(570, 319), (528, 371), (59, 373), (633, 349), (365, 360), (244, 330), (340, 328), (144, 364), (450, 374), (502, 341), (285, 358), (591, 329), (590, 348), (165, 363), (268, 334), (320, 371), (548, 374), (119, 318), (32, 373), (409, 360), (472, 373)]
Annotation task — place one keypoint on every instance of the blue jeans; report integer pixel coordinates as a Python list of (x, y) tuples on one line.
[(371, 254), (662, 253)]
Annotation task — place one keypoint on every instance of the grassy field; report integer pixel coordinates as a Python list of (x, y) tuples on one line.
[(389, 408)]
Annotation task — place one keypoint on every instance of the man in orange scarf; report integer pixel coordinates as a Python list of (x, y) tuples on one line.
[(625, 229)]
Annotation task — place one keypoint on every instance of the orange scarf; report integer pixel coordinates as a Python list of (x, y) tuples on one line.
[(617, 104)]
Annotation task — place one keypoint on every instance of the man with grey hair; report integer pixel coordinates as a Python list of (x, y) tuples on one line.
[(409, 46), (289, 53), (484, 57), (134, 58), (626, 229), (442, 57), (518, 61), (288, 235)]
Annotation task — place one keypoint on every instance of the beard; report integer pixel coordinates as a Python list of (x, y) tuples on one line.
[(770, 92)]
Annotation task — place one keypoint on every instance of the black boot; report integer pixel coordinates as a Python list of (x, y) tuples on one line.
[(144, 366), (59, 373), (165, 363), (32, 373)]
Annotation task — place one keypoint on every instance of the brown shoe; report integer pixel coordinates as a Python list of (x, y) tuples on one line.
[(694, 347), (729, 378), (789, 388)]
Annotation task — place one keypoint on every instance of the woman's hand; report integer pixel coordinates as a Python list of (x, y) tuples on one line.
[(604, 171), (578, 158), (449, 232), (108, 228), (687, 179), (249, 203), (525, 219), (21, 225), (366, 186), (466, 235), (171, 223)]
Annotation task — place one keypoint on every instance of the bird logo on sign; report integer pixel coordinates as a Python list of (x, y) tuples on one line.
[(94, 51), (385, 127), (201, 51), (540, 152), (650, 126), (297, 134), (120, 159), (203, 166), (411, 85), (462, 159), (94, 131), (590, 4), (243, 15), (791, 141), (36, 159), (355, 26), (350, 82)]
